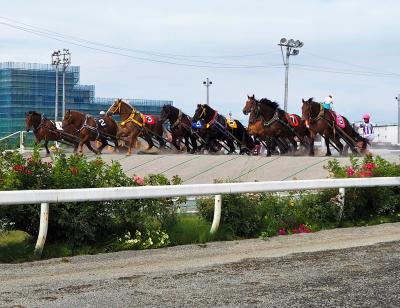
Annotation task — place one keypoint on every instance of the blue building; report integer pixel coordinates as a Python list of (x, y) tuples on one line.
[(30, 86)]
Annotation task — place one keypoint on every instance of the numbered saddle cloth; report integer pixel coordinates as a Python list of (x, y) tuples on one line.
[(231, 123), (293, 120), (197, 125), (149, 119), (101, 122), (340, 121)]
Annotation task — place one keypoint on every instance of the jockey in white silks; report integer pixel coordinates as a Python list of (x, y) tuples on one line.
[(368, 128)]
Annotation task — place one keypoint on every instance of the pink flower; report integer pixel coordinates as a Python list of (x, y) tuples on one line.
[(138, 180), (282, 232), (350, 171), (369, 166)]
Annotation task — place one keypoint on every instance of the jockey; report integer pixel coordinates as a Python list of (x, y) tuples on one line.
[(368, 128), (328, 102)]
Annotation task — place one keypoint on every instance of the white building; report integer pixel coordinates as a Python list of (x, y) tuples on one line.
[(386, 133)]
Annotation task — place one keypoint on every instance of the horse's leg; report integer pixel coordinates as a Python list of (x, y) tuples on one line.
[(194, 143), (104, 143), (90, 147), (46, 142), (293, 141), (311, 144), (328, 150)]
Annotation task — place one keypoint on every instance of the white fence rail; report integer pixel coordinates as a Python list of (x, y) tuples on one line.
[(145, 192)]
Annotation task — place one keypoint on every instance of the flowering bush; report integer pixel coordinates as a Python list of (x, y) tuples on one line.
[(364, 203), (85, 222), (151, 239)]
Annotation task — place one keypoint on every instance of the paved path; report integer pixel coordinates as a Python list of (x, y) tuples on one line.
[(341, 267)]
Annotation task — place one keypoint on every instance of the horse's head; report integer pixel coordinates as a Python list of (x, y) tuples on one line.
[(306, 110), (28, 120), (32, 119), (68, 119), (200, 112), (165, 113), (116, 107), (249, 105)]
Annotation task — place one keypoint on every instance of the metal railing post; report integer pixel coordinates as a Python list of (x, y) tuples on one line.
[(217, 214), (21, 141), (44, 224), (341, 197)]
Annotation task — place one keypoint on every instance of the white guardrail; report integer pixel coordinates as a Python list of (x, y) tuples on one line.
[(44, 197)]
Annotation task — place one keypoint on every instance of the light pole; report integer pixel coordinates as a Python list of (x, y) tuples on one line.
[(208, 83), (398, 119), (66, 61), (291, 50), (55, 61)]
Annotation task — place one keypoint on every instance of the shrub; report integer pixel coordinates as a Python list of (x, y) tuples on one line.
[(363, 203), (84, 222)]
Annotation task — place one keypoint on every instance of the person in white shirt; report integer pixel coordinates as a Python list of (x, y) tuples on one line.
[(368, 128)]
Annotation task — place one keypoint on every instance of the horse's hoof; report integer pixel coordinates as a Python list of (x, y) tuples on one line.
[(328, 154)]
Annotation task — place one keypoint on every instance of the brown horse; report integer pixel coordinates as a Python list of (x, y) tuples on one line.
[(323, 122), (91, 129), (267, 119), (181, 127), (134, 126), (46, 130)]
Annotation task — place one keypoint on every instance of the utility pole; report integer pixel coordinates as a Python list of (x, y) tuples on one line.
[(208, 83), (66, 61), (398, 119), (55, 61), (290, 51)]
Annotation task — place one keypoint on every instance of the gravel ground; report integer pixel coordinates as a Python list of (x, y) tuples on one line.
[(341, 267)]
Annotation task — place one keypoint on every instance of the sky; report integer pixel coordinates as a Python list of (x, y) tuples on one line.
[(351, 50)]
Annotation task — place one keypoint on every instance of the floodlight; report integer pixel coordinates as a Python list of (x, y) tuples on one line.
[(295, 52), (283, 40), (301, 44), (291, 42)]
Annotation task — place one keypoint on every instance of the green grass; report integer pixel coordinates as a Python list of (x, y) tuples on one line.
[(193, 229), (16, 246)]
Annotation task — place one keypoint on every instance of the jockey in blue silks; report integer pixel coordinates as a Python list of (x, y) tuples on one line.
[(328, 102)]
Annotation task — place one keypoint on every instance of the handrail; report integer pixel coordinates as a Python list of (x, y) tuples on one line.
[(165, 191), (9, 136)]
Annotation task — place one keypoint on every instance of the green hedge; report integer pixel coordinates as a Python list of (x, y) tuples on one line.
[(85, 222)]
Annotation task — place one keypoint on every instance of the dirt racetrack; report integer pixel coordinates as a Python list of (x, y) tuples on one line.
[(341, 267)]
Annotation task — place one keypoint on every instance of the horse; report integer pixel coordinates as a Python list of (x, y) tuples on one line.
[(46, 130), (323, 122), (181, 127), (133, 125), (268, 119), (218, 128), (91, 129)]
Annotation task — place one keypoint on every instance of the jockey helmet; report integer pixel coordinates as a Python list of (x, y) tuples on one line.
[(102, 112), (366, 116)]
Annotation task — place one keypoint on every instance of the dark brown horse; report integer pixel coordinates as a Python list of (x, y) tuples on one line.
[(323, 122), (133, 125), (46, 130), (218, 129), (91, 129), (180, 126), (267, 119)]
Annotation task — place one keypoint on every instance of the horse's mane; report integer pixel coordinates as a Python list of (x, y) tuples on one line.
[(267, 102), (32, 112)]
